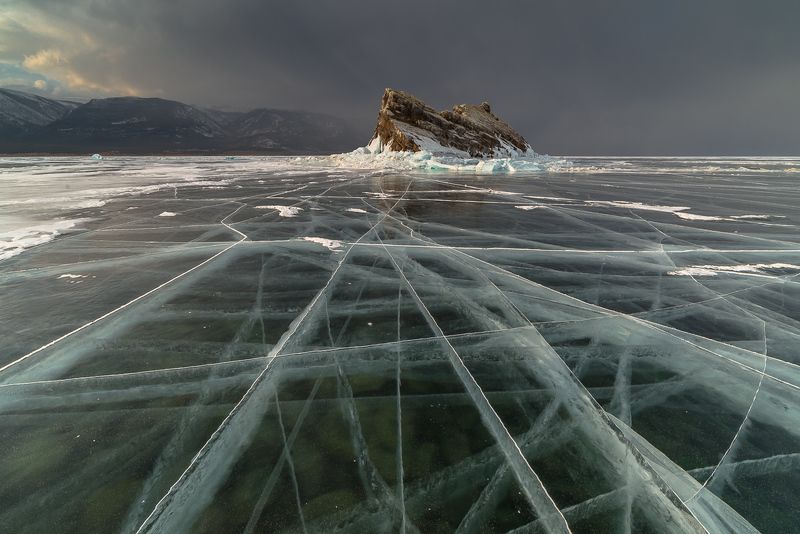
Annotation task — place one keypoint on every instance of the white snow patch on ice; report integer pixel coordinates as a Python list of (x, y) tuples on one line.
[(14, 241), (559, 199), (747, 268), (167, 214), (90, 204), (528, 207), (331, 244), (471, 190), (637, 206), (678, 211), (68, 275), (283, 211), (756, 217), (65, 202), (356, 210), (697, 217)]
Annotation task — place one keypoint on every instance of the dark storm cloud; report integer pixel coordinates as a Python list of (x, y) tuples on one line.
[(576, 77)]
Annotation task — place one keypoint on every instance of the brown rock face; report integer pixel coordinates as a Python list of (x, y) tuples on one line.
[(405, 123)]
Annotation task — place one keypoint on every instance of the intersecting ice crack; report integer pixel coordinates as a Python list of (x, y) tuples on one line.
[(269, 485), (177, 435), (730, 448), (401, 494), (176, 505), (243, 237), (735, 437), (646, 323), (622, 391), (563, 385), (181, 502), (244, 362), (185, 426), (408, 284), (529, 481), (288, 453), (119, 308), (370, 476), (779, 463), (620, 385), (483, 465), (474, 516)]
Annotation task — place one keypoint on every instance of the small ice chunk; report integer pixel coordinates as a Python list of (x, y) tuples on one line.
[(73, 278), (167, 214), (356, 210), (97, 156)]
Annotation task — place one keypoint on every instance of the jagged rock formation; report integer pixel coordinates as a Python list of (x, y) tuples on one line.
[(405, 123)]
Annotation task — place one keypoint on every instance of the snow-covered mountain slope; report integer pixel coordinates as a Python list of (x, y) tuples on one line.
[(117, 120), (133, 125), (20, 111), (288, 130)]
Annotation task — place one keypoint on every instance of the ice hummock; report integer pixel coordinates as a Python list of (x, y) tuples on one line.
[(435, 157)]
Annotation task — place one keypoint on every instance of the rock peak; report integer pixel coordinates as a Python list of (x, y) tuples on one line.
[(406, 123)]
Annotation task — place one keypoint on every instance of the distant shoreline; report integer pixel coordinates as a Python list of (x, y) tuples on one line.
[(35, 154)]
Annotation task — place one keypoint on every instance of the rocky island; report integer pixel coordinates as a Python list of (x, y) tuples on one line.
[(406, 123)]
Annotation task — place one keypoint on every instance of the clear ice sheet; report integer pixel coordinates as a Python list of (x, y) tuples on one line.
[(303, 346)]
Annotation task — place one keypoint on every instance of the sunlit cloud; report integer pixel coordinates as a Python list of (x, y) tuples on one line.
[(44, 59), (57, 65), (50, 48)]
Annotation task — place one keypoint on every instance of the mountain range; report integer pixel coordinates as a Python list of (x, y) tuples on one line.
[(32, 124)]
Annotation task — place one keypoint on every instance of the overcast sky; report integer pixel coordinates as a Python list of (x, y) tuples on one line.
[(575, 77)]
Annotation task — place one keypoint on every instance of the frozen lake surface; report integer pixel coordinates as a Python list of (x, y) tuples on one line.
[(324, 345)]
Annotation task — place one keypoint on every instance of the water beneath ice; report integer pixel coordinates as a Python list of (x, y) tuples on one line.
[(351, 344)]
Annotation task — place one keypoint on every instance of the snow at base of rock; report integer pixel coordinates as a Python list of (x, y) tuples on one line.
[(440, 159)]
